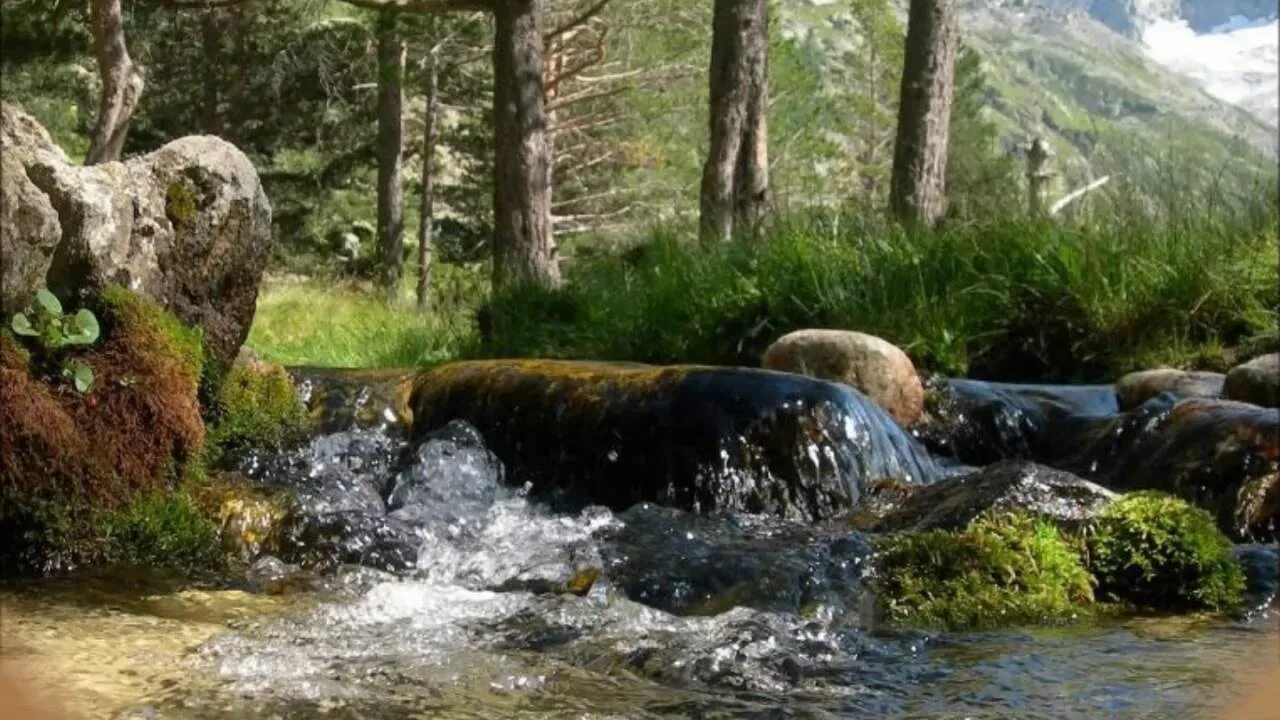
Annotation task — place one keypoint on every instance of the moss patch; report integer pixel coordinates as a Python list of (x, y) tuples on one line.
[(180, 204), (999, 571), (65, 456), (1156, 551), (160, 529), (257, 407)]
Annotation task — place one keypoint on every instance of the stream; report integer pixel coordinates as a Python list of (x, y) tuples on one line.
[(444, 592)]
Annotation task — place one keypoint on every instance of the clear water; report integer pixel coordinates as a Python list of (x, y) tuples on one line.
[(690, 617)]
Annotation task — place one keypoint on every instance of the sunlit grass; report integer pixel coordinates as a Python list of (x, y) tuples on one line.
[(335, 323)]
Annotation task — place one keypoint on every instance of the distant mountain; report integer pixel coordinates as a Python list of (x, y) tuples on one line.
[(1093, 75)]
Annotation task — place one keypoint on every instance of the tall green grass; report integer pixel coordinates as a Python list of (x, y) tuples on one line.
[(328, 322), (1011, 297)]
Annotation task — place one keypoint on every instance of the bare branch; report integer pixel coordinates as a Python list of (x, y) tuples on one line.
[(575, 22), (423, 7)]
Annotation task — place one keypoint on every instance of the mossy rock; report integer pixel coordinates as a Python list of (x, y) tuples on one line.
[(160, 529), (1156, 551), (257, 407), (65, 457), (1000, 570)]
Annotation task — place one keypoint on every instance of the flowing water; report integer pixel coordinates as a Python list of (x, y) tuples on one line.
[(496, 605)]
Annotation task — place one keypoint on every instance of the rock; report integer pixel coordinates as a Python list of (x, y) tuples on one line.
[(327, 540), (979, 423), (454, 473), (1138, 387), (1262, 572), (188, 225), (874, 366), (340, 400), (1009, 486), (1221, 455), (1257, 381), (29, 234), (698, 438)]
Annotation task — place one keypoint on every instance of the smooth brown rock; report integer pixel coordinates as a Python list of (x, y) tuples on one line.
[(1138, 387), (876, 367), (1256, 382)]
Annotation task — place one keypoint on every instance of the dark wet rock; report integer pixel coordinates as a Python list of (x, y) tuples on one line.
[(705, 565), (273, 576), (1138, 387), (1262, 572), (454, 473), (340, 471), (1008, 486), (340, 400), (876, 367), (1217, 454), (692, 437), (980, 423), (329, 539), (1257, 381)]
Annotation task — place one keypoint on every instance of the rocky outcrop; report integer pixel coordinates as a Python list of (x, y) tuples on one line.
[(188, 225), (877, 368), (1010, 486), (29, 228), (691, 437), (1257, 381), (1138, 387)]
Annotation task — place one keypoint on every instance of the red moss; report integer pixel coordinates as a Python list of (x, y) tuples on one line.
[(131, 433)]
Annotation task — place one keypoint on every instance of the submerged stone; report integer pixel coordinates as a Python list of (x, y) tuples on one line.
[(692, 437), (454, 472), (1261, 565), (1138, 387), (340, 400), (1009, 486)]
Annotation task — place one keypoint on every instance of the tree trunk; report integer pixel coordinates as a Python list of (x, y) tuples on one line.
[(524, 248), (918, 192), (390, 153), (121, 82), (735, 180), (426, 230), (211, 31)]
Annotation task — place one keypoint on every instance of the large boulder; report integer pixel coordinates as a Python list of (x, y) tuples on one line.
[(1138, 387), (1257, 381), (697, 438), (188, 225), (29, 228), (877, 368), (1009, 486)]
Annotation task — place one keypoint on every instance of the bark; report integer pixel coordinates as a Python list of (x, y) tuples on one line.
[(390, 152), (918, 192), (524, 246), (211, 44), (735, 180), (426, 229), (121, 82)]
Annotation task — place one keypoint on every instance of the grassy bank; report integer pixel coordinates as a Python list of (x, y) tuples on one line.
[(1009, 298)]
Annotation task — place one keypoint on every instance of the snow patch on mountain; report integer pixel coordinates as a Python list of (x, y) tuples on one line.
[(1236, 62)]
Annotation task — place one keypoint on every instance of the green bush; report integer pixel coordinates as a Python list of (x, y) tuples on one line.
[(999, 571), (1157, 551), (257, 407), (161, 529)]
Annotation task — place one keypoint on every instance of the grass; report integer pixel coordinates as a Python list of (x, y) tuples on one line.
[(344, 323), (1189, 280), (1005, 298)]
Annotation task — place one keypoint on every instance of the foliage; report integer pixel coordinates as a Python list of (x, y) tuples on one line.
[(1157, 551), (999, 571), (257, 407), (1003, 297), (160, 529), (56, 332)]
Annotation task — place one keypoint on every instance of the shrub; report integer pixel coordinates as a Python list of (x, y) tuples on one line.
[(257, 407), (1159, 552), (1000, 570)]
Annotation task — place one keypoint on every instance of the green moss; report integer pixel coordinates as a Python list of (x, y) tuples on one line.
[(257, 407), (1157, 551), (999, 571), (161, 529), (180, 204), (182, 341)]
